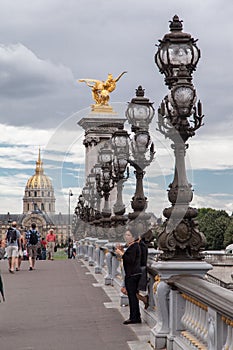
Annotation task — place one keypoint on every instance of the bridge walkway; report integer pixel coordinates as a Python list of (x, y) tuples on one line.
[(61, 305)]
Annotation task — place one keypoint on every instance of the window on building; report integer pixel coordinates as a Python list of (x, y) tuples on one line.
[(35, 194), (42, 206)]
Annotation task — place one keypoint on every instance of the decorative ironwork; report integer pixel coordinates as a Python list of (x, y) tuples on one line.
[(140, 113), (178, 119)]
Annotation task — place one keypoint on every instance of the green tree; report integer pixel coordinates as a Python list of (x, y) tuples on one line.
[(213, 223), (228, 236)]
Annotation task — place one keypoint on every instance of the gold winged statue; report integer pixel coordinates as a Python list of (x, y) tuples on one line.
[(102, 89)]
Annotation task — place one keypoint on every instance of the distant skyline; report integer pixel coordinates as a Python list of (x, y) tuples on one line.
[(46, 46)]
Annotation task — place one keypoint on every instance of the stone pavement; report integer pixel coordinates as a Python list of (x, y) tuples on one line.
[(62, 305)]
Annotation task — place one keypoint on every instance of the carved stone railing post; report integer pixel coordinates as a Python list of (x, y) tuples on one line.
[(91, 251), (86, 244), (108, 277), (81, 249), (99, 255), (159, 333)]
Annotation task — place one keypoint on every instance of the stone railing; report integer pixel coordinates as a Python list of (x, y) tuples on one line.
[(185, 310), (191, 312), (219, 282), (207, 318), (218, 258)]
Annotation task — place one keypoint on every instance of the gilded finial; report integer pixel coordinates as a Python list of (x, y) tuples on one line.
[(39, 164)]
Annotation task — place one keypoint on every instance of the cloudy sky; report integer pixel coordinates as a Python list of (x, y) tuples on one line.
[(47, 45)]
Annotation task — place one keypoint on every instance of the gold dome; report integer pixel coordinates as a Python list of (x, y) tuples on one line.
[(39, 179)]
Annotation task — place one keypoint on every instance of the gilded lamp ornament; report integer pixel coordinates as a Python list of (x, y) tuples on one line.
[(178, 119)]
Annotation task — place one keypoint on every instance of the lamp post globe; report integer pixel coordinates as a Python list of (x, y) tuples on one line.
[(175, 49), (140, 111)]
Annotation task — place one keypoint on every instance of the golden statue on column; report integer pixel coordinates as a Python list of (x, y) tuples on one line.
[(101, 91)]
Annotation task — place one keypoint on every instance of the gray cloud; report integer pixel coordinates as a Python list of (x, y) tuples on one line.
[(61, 42), (24, 75)]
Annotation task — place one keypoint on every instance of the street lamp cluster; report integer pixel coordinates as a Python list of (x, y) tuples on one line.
[(178, 119), (112, 170)]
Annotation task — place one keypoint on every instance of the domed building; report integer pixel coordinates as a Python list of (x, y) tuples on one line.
[(38, 207), (39, 192)]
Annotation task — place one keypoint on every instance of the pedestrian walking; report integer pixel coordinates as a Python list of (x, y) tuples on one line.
[(70, 248), (132, 268), (21, 246), (74, 250), (33, 240), (2, 248), (43, 248), (51, 242), (12, 243)]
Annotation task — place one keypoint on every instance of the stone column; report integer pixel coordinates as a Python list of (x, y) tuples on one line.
[(99, 128)]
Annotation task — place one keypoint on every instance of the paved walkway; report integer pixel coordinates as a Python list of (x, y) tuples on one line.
[(61, 305)]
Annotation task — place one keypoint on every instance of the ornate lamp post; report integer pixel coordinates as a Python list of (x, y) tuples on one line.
[(178, 119), (120, 146), (92, 195), (104, 182), (80, 206), (69, 226), (140, 113), (97, 171), (80, 213), (86, 208)]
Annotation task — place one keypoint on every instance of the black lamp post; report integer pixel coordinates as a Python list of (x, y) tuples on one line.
[(140, 113), (97, 171), (120, 146), (104, 181), (69, 226), (92, 195), (178, 119), (79, 207), (80, 213)]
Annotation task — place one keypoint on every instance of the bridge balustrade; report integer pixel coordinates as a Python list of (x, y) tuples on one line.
[(218, 257), (192, 313), (186, 312)]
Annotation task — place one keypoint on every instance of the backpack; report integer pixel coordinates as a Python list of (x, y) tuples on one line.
[(33, 239), (11, 235)]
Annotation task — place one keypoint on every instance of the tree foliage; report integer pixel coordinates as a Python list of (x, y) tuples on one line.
[(228, 237), (217, 226)]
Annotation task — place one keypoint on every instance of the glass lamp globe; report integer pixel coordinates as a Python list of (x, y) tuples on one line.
[(182, 99), (140, 110), (176, 49), (105, 155)]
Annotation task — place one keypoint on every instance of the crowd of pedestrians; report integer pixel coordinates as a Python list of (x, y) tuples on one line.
[(29, 245)]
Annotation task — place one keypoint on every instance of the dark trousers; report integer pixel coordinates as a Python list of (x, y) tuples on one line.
[(131, 285)]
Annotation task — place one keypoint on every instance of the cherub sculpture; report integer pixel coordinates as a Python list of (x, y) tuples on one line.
[(102, 89)]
